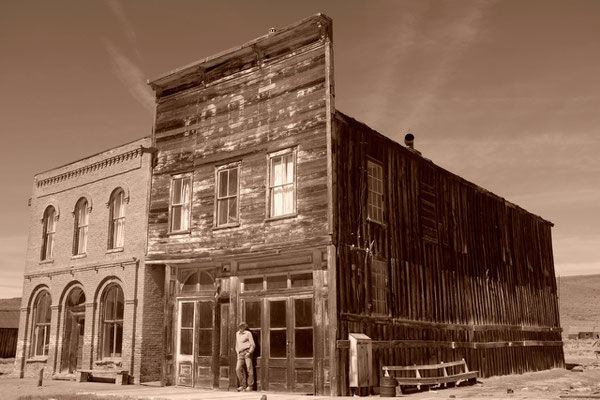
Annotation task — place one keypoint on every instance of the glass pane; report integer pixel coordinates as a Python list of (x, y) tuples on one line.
[(206, 282), (253, 284), (303, 310), (190, 284), (304, 343), (118, 340), (277, 282), (205, 315), (187, 315), (232, 210), (253, 314), (224, 351), (186, 341), (289, 173), (277, 314), (302, 280), (176, 192), (176, 218), (278, 343), (108, 336), (205, 342), (185, 190), (120, 304), (222, 212), (233, 181), (39, 340), (223, 181), (185, 217), (109, 304)]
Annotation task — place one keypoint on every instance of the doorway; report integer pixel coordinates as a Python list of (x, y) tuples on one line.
[(72, 353)]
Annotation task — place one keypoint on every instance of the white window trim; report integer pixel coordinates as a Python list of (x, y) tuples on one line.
[(173, 178), (232, 165), (270, 156)]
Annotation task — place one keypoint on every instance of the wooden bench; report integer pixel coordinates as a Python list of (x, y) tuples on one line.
[(448, 379), (121, 377)]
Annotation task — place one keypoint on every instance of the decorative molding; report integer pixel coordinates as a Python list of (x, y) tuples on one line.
[(107, 162), (69, 270)]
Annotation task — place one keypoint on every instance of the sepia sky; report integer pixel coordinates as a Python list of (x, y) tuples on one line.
[(504, 93)]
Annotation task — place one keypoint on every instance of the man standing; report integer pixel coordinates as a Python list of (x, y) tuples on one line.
[(244, 347)]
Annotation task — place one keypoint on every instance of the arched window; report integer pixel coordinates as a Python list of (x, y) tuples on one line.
[(112, 322), (196, 281), (82, 218), (117, 220), (48, 230), (41, 325)]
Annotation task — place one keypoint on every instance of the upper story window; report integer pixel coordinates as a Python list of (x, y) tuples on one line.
[(282, 183), (112, 322), (180, 205), (41, 325), (375, 196), (48, 231), (116, 221), (82, 219), (227, 195)]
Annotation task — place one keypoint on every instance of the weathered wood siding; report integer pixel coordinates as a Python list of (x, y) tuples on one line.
[(260, 105), (8, 342), (470, 275)]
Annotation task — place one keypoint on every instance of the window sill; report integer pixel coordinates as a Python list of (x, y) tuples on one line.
[(109, 362), (179, 233), (37, 359), (221, 227), (280, 217), (115, 250), (383, 224), (78, 256), (49, 261)]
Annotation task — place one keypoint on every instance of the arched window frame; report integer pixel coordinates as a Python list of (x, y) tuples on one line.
[(42, 317), (111, 322), (48, 231), (116, 221), (82, 218)]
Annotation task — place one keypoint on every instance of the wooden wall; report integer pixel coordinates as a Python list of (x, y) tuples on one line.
[(470, 275), (255, 103), (8, 342)]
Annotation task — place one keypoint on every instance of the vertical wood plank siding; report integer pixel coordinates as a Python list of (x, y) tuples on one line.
[(465, 266), (8, 342)]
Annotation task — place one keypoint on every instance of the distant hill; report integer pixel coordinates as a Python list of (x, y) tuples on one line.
[(10, 304), (579, 303)]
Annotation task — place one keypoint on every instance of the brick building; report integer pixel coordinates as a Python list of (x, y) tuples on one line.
[(87, 293)]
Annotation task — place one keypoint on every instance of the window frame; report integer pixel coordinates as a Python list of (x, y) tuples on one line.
[(378, 165), (82, 204), (182, 176), (379, 290), (104, 324), (47, 236), (269, 201), (227, 167), (111, 219), (44, 326)]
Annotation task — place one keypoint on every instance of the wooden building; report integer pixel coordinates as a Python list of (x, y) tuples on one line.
[(9, 326), (270, 206)]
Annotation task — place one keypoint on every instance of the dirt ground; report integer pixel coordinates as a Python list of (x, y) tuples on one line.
[(583, 381)]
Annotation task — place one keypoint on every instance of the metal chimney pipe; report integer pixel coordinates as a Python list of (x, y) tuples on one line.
[(409, 140)]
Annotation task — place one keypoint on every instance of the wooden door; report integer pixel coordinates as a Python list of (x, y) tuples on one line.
[(186, 320), (289, 344), (205, 349), (73, 341)]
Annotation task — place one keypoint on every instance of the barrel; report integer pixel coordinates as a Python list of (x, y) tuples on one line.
[(387, 387)]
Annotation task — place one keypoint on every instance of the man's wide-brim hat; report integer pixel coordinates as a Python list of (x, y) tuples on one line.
[(242, 325)]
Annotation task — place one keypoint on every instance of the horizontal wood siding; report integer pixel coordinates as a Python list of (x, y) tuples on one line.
[(283, 107), (465, 266)]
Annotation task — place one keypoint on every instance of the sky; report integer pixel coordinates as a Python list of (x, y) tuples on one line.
[(503, 93)]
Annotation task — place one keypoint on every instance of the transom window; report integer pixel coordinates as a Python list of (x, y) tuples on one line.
[(290, 280), (282, 183), (41, 325), (227, 195), (82, 219), (375, 196), (180, 205), (195, 280), (112, 322), (48, 231), (379, 287), (117, 220)]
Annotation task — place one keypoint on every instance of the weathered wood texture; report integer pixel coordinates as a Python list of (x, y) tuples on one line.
[(267, 104), (464, 265), (8, 342)]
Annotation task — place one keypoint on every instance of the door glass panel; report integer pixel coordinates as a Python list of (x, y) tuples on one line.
[(303, 329), (253, 319), (224, 351), (187, 315), (186, 330), (277, 314), (205, 329), (277, 324)]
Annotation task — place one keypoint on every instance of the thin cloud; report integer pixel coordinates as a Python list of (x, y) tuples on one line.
[(116, 7), (131, 75)]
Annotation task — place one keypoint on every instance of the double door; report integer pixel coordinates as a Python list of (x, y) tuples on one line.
[(283, 330)]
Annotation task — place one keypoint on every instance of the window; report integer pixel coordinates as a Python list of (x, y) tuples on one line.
[(41, 325), (48, 230), (194, 280), (82, 218), (379, 287), (282, 183), (112, 322), (375, 197), (117, 219), (181, 198), (227, 195)]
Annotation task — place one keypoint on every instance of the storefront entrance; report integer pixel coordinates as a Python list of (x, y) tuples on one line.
[(74, 328)]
